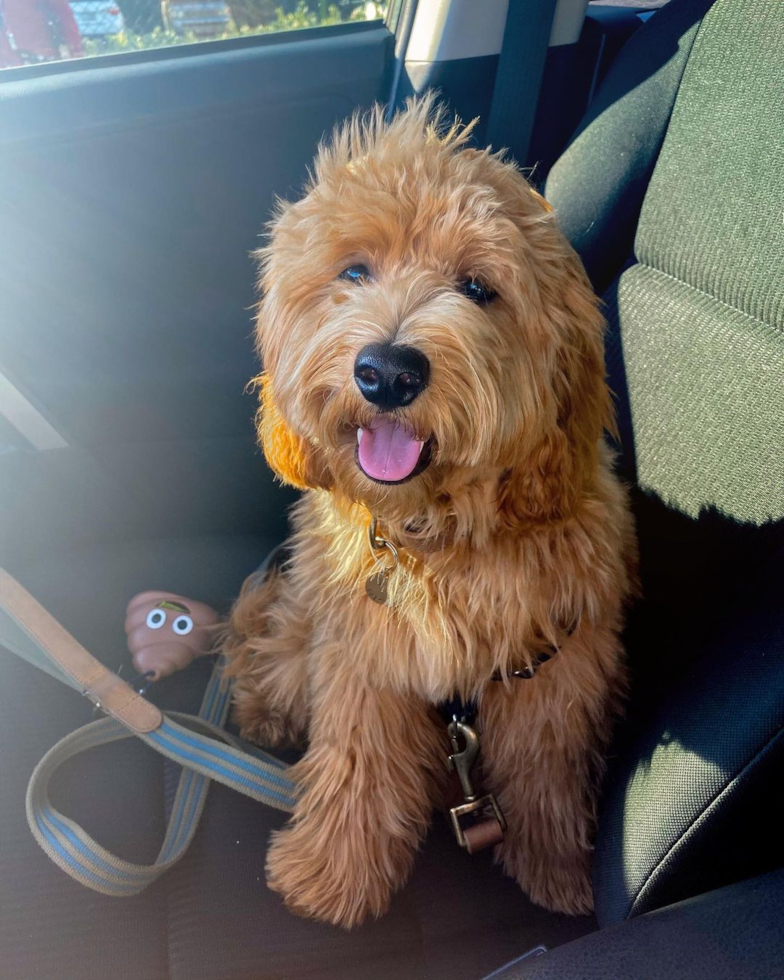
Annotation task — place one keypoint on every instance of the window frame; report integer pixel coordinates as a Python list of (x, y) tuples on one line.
[(182, 51)]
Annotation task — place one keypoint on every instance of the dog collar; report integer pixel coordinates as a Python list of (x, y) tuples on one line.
[(386, 560), (427, 544), (387, 555), (412, 540)]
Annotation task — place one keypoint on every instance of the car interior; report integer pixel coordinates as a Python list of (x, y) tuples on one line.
[(134, 189)]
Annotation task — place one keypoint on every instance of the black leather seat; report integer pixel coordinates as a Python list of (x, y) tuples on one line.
[(730, 934)]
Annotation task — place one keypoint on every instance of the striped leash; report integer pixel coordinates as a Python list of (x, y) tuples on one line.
[(197, 743)]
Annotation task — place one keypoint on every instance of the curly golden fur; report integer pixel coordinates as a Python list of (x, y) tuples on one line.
[(517, 535)]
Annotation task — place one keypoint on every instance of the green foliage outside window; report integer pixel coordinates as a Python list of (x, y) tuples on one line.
[(250, 17)]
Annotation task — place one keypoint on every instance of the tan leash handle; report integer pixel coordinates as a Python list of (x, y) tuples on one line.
[(103, 687)]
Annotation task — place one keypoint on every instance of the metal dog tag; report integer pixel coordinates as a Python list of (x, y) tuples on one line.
[(377, 583), (376, 586)]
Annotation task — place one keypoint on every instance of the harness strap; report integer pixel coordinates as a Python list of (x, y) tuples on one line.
[(198, 743), (477, 821)]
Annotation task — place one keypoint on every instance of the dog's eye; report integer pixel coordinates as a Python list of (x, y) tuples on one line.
[(355, 273), (476, 291)]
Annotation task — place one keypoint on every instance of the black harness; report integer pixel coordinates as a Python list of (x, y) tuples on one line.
[(456, 709)]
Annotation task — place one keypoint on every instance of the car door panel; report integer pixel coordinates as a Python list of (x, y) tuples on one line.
[(134, 193)]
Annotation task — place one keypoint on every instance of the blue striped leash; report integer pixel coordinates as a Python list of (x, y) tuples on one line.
[(198, 743)]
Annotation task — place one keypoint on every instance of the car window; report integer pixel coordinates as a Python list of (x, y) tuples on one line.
[(33, 32), (644, 5)]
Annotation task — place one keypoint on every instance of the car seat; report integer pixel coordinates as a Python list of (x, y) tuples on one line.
[(671, 192)]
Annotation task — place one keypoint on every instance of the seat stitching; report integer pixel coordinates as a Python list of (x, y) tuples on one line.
[(702, 817), (702, 292)]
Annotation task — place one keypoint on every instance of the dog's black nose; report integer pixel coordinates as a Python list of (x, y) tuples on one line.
[(390, 376)]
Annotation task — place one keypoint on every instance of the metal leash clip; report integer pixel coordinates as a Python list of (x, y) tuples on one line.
[(477, 822), (97, 706)]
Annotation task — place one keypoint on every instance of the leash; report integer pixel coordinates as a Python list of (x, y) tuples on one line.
[(197, 743)]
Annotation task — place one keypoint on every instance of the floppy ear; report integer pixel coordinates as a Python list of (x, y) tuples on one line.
[(547, 484), (289, 455)]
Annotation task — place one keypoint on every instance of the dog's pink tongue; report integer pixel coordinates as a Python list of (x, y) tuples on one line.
[(388, 451)]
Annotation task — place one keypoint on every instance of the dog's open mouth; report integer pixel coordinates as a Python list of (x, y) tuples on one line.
[(389, 452)]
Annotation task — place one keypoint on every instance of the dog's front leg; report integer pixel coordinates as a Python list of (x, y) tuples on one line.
[(542, 747), (368, 784), (266, 646)]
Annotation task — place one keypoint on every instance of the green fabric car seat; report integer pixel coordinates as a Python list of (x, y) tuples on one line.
[(696, 358)]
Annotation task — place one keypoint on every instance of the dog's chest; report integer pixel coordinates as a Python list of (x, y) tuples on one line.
[(443, 627), (451, 619), (471, 624)]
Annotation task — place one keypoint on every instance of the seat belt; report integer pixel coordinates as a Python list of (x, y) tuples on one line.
[(519, 74), (198, 743)]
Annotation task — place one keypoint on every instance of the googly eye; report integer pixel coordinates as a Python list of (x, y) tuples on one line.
[(182, 625), (156, 618)]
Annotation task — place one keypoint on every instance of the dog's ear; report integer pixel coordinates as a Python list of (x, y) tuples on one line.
[(289, 455), (545, 485)]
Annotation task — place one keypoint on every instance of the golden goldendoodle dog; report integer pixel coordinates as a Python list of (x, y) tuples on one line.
[(433, 362)]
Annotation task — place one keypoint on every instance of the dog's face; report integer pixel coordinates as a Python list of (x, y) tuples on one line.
[(424, 326)]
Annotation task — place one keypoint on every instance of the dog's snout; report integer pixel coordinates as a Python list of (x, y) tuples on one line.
[(390, 376)]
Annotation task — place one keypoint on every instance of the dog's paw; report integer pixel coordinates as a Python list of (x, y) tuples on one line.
[(261, 726), (328, 878), (558, 884), (562, 890)]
